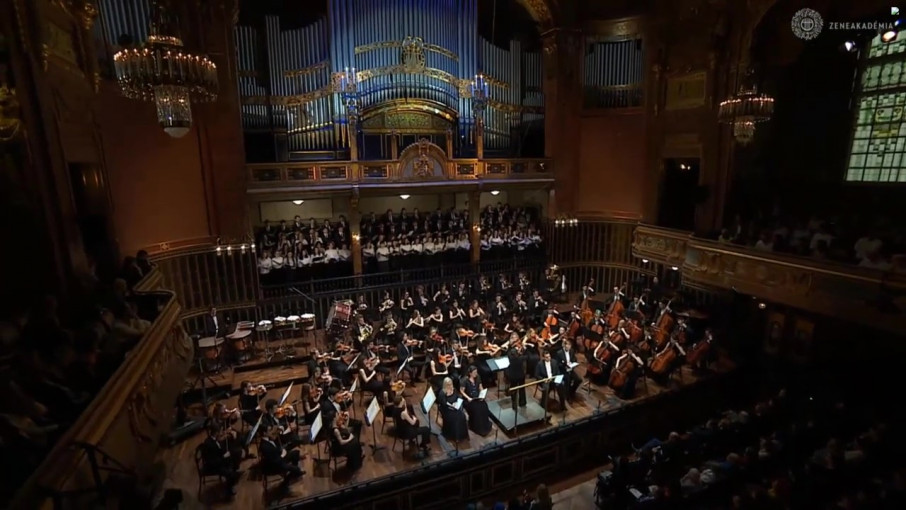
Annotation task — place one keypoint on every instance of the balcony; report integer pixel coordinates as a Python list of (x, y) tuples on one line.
[(871, 297), (333, 175), (118, 434)]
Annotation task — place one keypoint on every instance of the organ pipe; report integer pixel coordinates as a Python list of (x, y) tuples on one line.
[(613, 73)]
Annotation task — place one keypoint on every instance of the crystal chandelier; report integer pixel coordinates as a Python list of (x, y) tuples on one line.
[(744, 110), (163, 73)]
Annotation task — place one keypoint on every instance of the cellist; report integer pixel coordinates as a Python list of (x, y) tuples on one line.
[(631, 373)]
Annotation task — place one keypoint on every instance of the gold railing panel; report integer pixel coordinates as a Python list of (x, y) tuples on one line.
[(869, 297), (128, 416), (315, 173)]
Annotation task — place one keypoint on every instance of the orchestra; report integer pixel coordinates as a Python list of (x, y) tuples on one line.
[(612, 341)]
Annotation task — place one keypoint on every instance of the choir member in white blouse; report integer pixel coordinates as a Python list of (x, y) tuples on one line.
[(265, 264), (305, 260), (344, 253), (331, 254), (277, 260)]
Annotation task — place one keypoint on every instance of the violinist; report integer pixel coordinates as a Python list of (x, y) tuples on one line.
[(321, 378), (282, 418), (628, 389), (249, 399), (311, 402), (345, 442), (409, 427), (436, 319), (440, 368), (436, 342), (336, 367), (514, 325), (223, 419), (531, 342), (371, 358), (456, 313), (414, 363), (416, 324), (218, 460), (275, 459), (484, 351), (566, 358), (458, 351), (515, 373), (370, 379)]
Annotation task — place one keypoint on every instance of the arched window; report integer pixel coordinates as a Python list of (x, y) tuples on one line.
[(878, 152)]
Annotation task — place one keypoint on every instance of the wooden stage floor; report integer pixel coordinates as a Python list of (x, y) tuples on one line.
[(181, 472)]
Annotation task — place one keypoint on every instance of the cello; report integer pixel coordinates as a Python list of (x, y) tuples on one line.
[(699, 350), (549, 324), (663, 327), (620, 374), (663, 360)]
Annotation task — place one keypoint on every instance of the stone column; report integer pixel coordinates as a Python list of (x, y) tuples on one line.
[(563, 107), (355, 219), (475, 230)]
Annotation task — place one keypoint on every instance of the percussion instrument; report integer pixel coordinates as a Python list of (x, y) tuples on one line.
[(264, 326), (294, 320), (210, 347), (280, 321), (343, 310), (243, 325), (240, 342), (308, 321)]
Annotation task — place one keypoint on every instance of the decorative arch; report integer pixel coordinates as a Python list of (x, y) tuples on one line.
[(541, 11), (423, 160)]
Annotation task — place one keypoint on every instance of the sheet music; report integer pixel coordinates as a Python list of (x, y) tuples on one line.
[(572, 365), (483, 394), (458, 404), (316, 427), (253, 432), (403, 365), (428, 400), (372, 411), (355, 385), (503, 363), (353, 361), (558, 379), (285, 395)]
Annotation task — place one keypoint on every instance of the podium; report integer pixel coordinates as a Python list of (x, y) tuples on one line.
[(509, 418)]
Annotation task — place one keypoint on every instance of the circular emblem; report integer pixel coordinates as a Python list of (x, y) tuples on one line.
[(807, 24)]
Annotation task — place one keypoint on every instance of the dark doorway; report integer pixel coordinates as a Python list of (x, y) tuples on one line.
[(89, 193), (679, 193)]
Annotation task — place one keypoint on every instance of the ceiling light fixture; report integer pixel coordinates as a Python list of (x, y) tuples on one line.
[(495, 192), (298, 202), (404, 197), (164, 73)]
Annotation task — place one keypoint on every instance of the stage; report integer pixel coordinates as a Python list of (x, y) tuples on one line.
[(279, 373)]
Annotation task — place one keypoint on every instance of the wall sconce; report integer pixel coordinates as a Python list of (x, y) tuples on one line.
[(476, 227), (675, 268), (495, 192), (356, 237), (243, 248), (762, 306), (644, 261), (217, 250), (298, 202), (566, 221), (404, 197)]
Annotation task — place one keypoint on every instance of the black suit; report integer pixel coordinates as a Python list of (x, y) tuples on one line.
[(274, 462), (216, 461), (541, 373), (416, 366), (572, 379), (214, 328), (515, 374)]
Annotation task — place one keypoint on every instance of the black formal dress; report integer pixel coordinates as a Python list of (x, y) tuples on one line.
[(455, 428), (248, 408), (351, 450), (479, 415), (408, 431), (275, 460), (515, 374)]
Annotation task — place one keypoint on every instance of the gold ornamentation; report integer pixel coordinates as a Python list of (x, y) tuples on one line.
[(686, 91), (88, 14), (412, 55), (538, 10), (433, 48), (320, 66), (422, 166), (10, 122)]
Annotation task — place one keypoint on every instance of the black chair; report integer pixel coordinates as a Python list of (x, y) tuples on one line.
[(397, 430), (204, 475)]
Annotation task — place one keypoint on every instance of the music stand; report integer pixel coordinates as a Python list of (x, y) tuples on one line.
[(201, 378), (285, 395), (370, 414), (253, 432)]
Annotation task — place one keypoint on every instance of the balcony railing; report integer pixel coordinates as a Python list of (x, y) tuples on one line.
[(120, 430), (376, 173), (867, 296)]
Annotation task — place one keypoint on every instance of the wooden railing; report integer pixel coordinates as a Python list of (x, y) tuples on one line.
[(866, 296), (325, 173), (121, 428)]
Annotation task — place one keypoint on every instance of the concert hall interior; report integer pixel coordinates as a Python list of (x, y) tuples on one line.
[(450, 254)]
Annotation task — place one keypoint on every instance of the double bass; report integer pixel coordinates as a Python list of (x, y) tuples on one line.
[(664, 327), (550, 325), (615, 312), (699, 350)]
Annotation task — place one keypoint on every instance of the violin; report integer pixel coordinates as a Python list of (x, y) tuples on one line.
[(342, 419), (446, 359), (372, 363), (284, 411), (398, 386), (465, 333)]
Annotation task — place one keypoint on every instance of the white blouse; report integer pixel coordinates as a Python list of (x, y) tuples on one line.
[(265, 265)]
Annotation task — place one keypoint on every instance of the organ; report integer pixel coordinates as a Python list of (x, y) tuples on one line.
[(414, 66)]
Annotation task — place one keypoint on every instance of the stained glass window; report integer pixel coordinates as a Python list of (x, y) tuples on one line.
[(878, 152)]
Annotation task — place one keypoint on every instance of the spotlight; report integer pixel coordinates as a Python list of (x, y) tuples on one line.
[(849, 47), (762, 306), (298, 202), (889, 34), (675, 268), (404, 197), (495, 192), (644, 261)]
